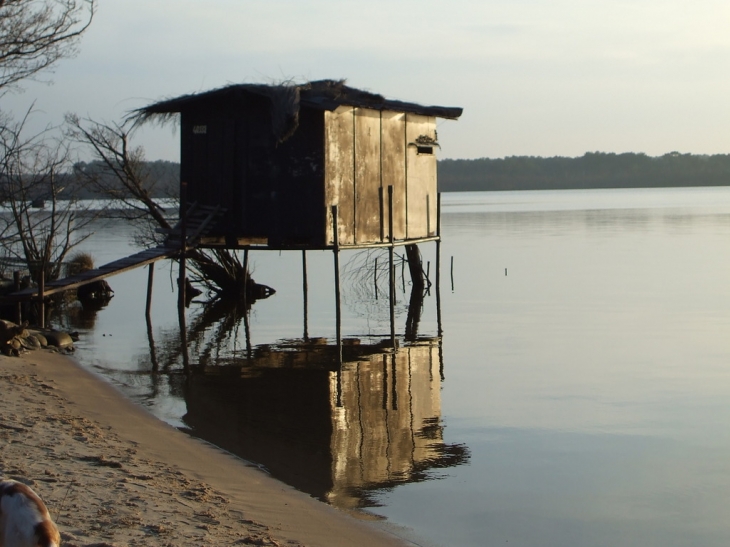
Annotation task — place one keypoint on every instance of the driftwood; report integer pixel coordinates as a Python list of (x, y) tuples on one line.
[(15, 338), (10, 335)]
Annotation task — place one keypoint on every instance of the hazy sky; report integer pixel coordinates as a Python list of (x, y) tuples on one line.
[(535, 77)]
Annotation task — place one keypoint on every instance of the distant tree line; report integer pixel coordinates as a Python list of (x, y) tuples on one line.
[(592, 170), (164, 177)]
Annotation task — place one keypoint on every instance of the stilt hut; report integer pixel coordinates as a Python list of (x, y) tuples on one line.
[(311, 166)]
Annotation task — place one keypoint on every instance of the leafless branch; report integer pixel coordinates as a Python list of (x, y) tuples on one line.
[(36, 34)]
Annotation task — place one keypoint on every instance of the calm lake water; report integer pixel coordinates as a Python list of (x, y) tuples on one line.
[(579, 396)]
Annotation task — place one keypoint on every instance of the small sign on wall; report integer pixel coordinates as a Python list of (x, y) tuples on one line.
[(200, 129)]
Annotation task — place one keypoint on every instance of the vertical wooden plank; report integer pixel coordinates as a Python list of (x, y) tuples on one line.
[(194, 153), (240, 179), (420, 178), (150, 279), (339, 148), (338, 309), (391, 269), (367, 175), (394, 169)]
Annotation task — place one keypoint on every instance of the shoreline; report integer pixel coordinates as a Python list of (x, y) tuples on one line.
[(112, 474)]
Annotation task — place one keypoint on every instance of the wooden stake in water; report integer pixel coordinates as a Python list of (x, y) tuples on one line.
[(246, 279), (402, 275), (336, 251), (452, 274), (428, 277), (305, 290), (438, 269), (391, 267), (375, 278), (150, 279)]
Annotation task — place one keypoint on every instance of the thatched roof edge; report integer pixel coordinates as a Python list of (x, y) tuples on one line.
[(286, 100)]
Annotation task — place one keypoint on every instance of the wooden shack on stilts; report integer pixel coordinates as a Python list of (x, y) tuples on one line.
[(309, 167)]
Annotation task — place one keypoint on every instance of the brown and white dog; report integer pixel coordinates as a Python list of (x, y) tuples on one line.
[(24, 518)]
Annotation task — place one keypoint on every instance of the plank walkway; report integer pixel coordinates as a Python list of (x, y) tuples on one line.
[(199, 221), (125, 264)]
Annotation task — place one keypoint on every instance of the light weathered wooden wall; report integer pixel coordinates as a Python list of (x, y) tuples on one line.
[(421, 179), (365, 152)]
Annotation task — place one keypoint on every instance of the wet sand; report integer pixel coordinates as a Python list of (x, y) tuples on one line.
[(114, 475)]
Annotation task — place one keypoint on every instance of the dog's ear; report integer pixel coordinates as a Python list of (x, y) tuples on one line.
[(25, 323)]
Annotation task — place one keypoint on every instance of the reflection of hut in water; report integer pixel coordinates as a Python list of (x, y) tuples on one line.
[(335, 435)]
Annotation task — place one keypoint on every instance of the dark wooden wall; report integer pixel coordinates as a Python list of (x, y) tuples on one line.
[(229, 156)]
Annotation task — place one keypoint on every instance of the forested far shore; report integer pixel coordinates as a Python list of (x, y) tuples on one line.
[(592, 170)]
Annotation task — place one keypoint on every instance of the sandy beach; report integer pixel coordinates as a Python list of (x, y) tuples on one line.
[(113, 475)]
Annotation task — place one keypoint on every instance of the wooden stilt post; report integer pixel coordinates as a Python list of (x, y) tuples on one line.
[(305, 296), (247, 332), (247, 286), (183, 334), (452, 274), (41, 298), (375, 278), (438, 265), (391, 267), (385, 382), (338, 311), (338, 372), (151, 341), (441, 360), (19, 305), (394, 384), (403, 275), (181, 277), (183, 241), (246, 280), (150, 278)]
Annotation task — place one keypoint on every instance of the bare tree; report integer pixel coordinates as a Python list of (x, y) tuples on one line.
[(36, 34), (120, 175), (40, 228), (124, 178)]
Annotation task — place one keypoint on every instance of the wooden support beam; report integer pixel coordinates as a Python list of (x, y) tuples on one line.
[(150, 278), (338, 310), (305, 290), (438, 265), (391, 266)]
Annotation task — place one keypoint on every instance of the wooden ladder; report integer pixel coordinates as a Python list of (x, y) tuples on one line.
[(199, 220)]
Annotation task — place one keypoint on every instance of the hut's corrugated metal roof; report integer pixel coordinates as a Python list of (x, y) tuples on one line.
[(286, 100)]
